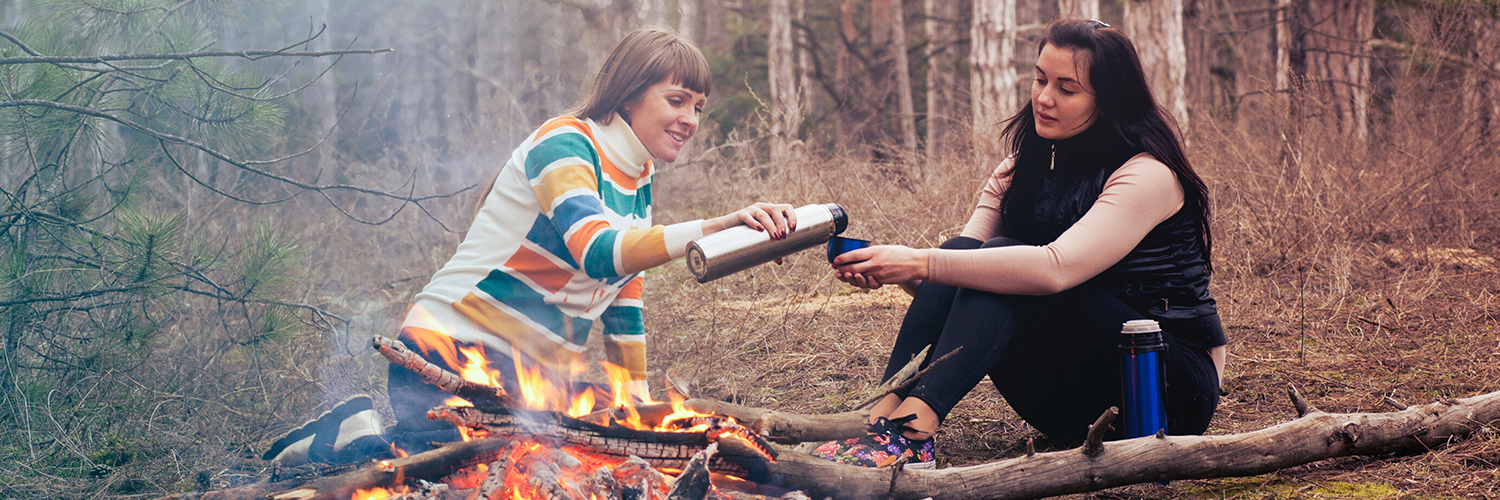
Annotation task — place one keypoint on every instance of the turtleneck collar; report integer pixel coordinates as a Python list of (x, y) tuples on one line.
[(1093, 149), (624, 149)]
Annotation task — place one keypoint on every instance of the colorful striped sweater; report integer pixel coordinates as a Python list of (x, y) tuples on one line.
[(559, 243)]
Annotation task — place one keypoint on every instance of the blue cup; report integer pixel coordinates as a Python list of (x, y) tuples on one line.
[(837, 245)]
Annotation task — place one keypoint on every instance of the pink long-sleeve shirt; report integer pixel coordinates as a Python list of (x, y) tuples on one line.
[(1139, 195)]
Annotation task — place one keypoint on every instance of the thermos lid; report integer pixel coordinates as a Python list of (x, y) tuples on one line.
[(840, 218), (1140, 326)]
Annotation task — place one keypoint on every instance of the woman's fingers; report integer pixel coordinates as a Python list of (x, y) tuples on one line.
[(778, 219)]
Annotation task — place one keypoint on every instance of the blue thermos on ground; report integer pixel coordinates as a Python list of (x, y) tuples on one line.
[(1142, 378)]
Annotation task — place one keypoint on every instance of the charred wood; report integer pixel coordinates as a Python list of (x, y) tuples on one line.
[(694, 483)]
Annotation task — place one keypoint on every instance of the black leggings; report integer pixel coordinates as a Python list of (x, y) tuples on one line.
[(1054, 358)]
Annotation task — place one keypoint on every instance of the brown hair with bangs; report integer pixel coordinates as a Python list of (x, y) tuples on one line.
[(646, 56)]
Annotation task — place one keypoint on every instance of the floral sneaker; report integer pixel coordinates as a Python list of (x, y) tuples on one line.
[(882, 447)]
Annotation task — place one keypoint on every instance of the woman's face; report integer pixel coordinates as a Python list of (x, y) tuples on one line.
[(1062, 100), (665, 117)]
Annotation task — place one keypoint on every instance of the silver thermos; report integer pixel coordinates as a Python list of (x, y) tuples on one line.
[(738, 248)]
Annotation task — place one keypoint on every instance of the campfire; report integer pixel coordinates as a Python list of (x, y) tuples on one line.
[(521, 446), (586, 446)]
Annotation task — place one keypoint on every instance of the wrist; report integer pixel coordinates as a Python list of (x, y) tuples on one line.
[(716, 224), (923, 267)]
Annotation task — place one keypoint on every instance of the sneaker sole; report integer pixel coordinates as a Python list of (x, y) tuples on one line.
[(921, 465), (345, 409)]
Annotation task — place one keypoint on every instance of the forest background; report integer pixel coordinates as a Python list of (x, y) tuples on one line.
[(196, 243)]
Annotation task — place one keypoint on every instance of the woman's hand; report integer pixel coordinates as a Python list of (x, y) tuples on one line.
[(881, 265), (777, 219)]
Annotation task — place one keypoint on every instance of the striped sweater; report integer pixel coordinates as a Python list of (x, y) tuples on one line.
[(559, 244)]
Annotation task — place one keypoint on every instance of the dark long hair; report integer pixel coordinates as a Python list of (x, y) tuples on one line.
[(1127, 113)]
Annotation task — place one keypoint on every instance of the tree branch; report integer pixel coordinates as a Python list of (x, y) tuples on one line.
[(253, 55)]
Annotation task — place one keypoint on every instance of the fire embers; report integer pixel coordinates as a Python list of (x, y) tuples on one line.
[(536, 471)]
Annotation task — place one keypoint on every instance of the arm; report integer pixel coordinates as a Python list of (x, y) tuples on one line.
[(983, 224), (1140, 195), (1137, 197)]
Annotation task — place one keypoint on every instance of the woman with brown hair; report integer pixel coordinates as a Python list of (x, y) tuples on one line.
[(560, 241), (1095, 219)]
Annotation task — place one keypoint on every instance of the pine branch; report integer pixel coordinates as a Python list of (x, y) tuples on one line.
[(246, 165)]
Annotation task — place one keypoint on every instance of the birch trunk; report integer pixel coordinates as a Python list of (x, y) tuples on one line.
[(1155, 26), (993, 78), (1078, 9), (786, 112), (688, 21)]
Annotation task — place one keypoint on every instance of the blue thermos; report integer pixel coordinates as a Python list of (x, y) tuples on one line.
[(1142, 378)]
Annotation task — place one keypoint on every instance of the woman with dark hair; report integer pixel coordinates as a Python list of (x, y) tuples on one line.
[(560, 241), (1096, 218)]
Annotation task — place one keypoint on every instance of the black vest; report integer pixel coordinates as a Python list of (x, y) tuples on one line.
[(1164, 277)]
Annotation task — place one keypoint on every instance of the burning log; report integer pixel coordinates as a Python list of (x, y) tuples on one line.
[(479, 394), (670, 450), (494, 484)]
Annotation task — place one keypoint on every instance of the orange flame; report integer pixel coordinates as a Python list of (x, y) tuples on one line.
[(430, 337), (583, 404), (477, 368), (376, 493), (536, 391)]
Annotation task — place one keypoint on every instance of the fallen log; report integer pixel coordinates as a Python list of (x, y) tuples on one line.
[(1312, 437)]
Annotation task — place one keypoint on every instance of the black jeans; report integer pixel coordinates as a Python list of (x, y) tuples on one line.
[(1054, 358)]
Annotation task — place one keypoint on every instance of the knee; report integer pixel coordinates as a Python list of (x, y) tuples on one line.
[(1001, 241)]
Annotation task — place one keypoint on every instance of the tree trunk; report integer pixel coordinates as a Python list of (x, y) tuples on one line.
[(992, 77), (902, 72), (1078, 9), (689, 22), (852, 117), (786, 103), (1481, 89), (1253, 61), (945, 47), (1338, 63), (1291, 71), (1156, 28)]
